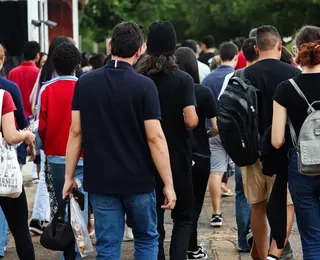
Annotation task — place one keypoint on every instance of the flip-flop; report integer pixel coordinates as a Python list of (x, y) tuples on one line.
[(229, 193)]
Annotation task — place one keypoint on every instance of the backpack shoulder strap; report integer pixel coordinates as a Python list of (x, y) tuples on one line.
[(296, 87), (293, 134), (240, 73)]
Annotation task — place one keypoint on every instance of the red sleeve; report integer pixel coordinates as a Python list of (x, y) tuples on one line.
[(7, 104), (43, 116)]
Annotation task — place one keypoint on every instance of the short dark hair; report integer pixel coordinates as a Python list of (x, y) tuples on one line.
[(66, 58), (30, 50), (208, 41), (228, 50), (253, 32), (98, 61), (248, 49), (267, 37), (127, 38), (190, 44), (307, 34), (239, 42), (187, 61), (286, 56)]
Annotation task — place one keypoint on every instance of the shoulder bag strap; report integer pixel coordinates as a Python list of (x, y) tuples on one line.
[(1, 103), (34, 93)]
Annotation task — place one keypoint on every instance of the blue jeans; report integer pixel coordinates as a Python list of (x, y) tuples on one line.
[(243, 212), (4, 239), (109, 222), (58, 173), (305, 192)]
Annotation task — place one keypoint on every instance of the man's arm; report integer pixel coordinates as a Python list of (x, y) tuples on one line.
[(214, 128), (73, 153), (160, 155)]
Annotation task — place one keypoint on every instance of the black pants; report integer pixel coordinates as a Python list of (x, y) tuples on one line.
[(200, 177), (181, 215), (16, 212)]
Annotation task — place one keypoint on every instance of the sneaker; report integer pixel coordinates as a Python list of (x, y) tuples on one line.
[(216, 220), (128, 235), (249, 238), (199, 255), (36, 226)]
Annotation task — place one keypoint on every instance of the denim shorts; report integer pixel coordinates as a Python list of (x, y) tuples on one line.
[(22, 153)]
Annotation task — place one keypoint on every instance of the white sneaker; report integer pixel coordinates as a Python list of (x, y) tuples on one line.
[(128, 235)]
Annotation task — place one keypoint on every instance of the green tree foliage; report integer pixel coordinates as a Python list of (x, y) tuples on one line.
[(224, 19)]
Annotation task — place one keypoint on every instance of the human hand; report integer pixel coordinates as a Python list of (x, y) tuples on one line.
[(32, 152), (69, 184), (169, 197), (29, 137)]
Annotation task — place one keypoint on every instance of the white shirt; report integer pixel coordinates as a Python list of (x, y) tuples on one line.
[(204, 70)]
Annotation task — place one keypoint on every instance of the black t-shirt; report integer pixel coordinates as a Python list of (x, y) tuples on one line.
[(206, 109), (176, 91), (289, 98), (266, 75), (114, 101), (205, 57)]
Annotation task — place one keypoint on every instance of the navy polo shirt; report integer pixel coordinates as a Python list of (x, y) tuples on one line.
[(13, 89), (114, 101)]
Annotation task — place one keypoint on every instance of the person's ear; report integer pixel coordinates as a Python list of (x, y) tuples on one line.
[(139, 52), (109, 46), (280, 46), (256, 49)]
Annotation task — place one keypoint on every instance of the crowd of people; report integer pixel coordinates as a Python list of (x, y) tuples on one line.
[(137, 132)]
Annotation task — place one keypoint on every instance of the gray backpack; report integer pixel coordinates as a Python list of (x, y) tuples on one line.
[(308, 144)]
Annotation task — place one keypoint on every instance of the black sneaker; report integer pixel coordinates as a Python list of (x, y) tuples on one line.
[(199, 255), (36, 226), (216, 220)]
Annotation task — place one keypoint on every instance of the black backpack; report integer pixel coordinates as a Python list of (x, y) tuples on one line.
[(238, 120)]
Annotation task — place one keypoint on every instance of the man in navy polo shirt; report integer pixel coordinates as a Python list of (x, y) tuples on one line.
[(116, 120)]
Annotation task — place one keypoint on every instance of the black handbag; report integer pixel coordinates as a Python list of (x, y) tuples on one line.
[(58, 235)]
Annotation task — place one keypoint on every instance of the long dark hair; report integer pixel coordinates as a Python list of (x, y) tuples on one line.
[(48, 69), (187, 61), (151, 65)]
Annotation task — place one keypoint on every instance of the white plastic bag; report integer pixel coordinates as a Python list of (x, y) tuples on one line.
[(80, 230), (10, 174)]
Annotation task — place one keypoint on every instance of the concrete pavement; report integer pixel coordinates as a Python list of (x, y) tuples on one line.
[(220, 243)]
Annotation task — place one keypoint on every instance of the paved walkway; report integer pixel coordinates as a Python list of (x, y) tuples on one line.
[(220, 243)]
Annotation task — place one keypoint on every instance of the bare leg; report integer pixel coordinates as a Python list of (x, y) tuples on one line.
[(259, 228), (215, 181), (273, 248)]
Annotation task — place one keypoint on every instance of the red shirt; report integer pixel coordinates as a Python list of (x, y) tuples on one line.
[(55, 114), (7, 104), (242, 62), (25, 77)]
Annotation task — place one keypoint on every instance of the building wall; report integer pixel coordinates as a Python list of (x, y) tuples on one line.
[(60, 11), (37, 10), (65, 14)]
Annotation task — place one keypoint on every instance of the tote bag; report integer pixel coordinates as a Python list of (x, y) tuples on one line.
[(10, 174)]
